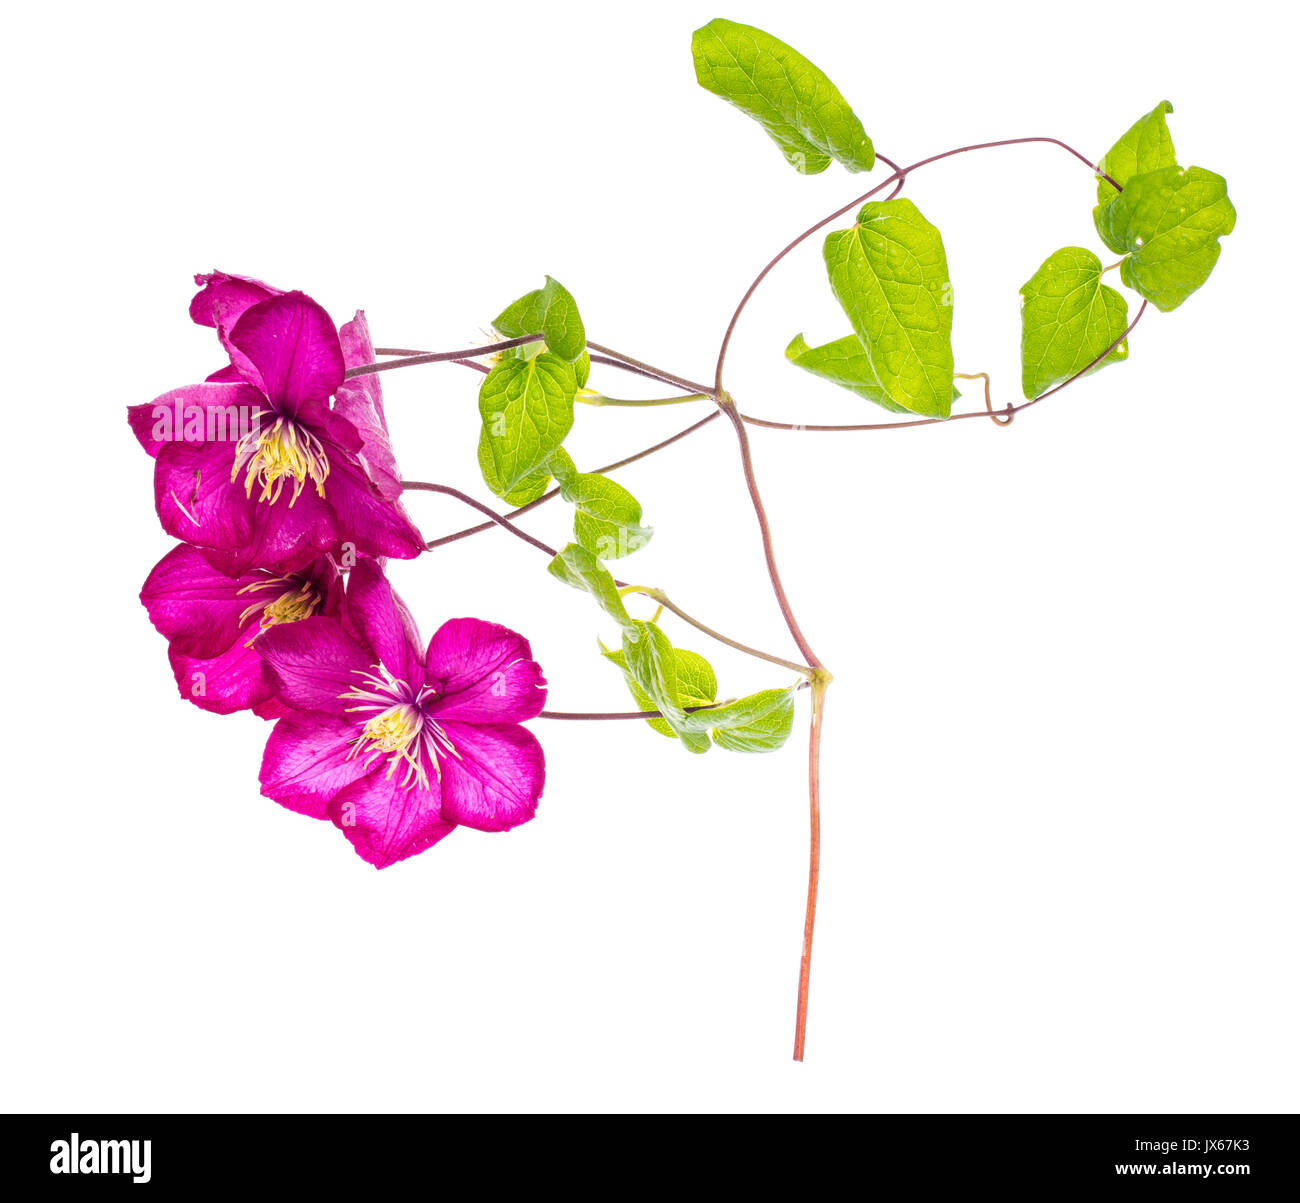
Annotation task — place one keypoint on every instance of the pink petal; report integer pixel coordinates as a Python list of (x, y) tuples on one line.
[(384, 822), (361, 402), (271, 709), (216, 412), (196, 607), (288, 347), (374, 612), (306, 761), (495, 779), (312, 663), (199, 503), (222, 298), (363, 518), (486, 671), (224, 683)]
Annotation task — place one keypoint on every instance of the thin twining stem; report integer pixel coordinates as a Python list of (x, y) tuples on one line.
[(496, 519), (900, 174), (649, 369), (728, 407), (658, 596), (988, 396), (1003, 415), (545, 497), (898, 171), (411, 361), (610, 362), (411, 353), (408, 358), (599, 399), (597, 715), (814, 861)]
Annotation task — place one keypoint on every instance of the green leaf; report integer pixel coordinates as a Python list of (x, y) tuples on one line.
[(890, 274), (760, 722), (607, 521), (552, 312), (650, 662), (526, 491), (696, 684), (1067, 318), (668, 679), (576, 566), (1171, 221), (794, 101), (1146, 146), (845, 363), (527, 409)]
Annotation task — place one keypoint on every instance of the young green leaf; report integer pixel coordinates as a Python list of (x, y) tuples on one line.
[(845, 363), (576, 566), (672, 680), (696, 684), (1171, 221), (650, 662), (526, 491), (607, 518), (794, 101), (760, 722), (890, 274), (527, 409), (1146, 146), (1067, 318), (552, 312)]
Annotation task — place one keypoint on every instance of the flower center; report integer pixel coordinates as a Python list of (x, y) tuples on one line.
[(394, 729), (296, 601), (397, 726), (269, 457)]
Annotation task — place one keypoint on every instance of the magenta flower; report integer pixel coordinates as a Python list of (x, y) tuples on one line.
[(395, 745), (254, 466), (212, 623)]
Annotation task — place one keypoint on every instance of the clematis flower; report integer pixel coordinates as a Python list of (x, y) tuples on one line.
[(212, 623), (395, 744), (221, 301), (254, 466)]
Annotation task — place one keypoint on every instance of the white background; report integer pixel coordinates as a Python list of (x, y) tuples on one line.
[(1060, 828)]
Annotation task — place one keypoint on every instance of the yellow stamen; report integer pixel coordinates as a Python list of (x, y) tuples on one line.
[(393, 729), (286, 450), (293, 604), (394, 733)]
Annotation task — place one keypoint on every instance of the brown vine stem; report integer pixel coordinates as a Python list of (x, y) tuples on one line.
[(411, 361), (662, 599), (999, 420), (814, 861), (650, 370), (821, 678), (588, 716)]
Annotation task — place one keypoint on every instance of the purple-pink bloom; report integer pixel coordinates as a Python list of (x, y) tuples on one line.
[(212, 623), (396, 744), (254, 466), (221, 301)]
